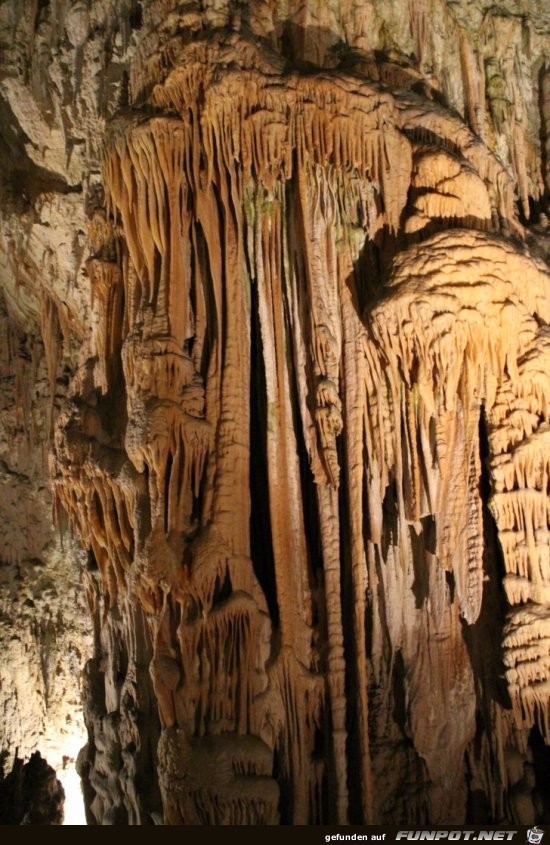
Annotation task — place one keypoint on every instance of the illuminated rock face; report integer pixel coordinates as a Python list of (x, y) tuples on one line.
[(45, 632), (305, 438)]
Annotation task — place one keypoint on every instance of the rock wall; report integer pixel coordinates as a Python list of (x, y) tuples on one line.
[(45, 632), (292, 260)]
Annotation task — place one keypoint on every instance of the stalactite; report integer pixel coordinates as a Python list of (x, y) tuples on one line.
[(473, 105), (545, 125), (447, 371), (301, 218), (519, 152), (519, 504), (106, 301), (497, 93), (51, 337)]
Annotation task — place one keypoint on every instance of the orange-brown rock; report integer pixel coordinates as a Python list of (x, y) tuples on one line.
[(305, 440)]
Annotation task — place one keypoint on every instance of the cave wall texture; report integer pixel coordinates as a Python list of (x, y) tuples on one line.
[(275, 406)]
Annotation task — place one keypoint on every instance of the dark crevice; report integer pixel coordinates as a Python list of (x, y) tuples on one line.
[(541, 770), (261, 540), (484, 638), (167, 502), (312, 528), (348, 599)]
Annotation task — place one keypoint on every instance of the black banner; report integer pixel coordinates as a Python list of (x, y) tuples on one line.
[(336, 835)]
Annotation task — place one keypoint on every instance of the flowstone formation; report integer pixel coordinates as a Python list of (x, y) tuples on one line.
[(305, 441)]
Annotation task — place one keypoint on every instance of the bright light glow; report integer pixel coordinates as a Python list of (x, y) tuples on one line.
[(74, 801)]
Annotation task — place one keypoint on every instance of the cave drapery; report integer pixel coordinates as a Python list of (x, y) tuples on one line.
[(306, 439)]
